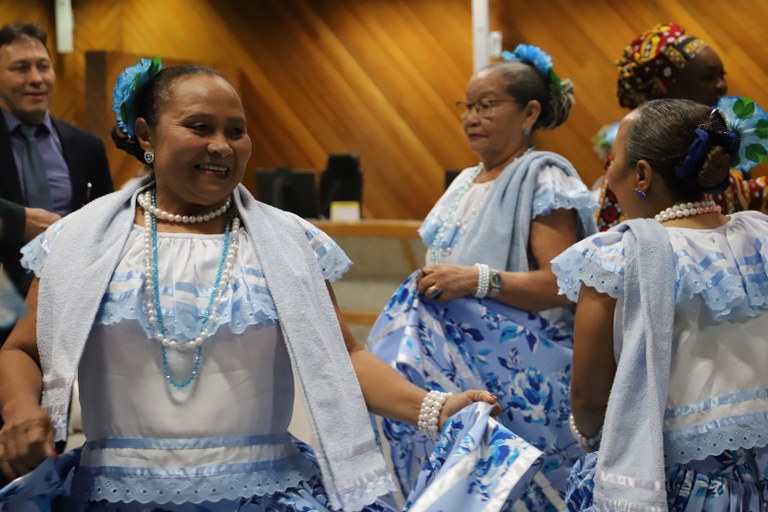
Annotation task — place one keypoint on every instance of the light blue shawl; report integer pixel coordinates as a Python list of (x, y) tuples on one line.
[(499, 235), (79, 268), (630, 472)]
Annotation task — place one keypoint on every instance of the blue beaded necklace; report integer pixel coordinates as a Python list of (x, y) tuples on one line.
[(158, 311)]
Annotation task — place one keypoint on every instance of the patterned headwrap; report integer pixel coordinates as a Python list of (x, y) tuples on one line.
[(653, 61)]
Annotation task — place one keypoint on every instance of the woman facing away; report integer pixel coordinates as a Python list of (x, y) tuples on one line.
[(186, 307), (484, 312), (670, 329), (666, 62)]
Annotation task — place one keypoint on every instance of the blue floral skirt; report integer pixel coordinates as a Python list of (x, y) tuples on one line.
[(470, 343), (477, 465), (734, 481)]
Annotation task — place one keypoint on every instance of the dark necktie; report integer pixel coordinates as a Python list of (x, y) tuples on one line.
[(35, 178)]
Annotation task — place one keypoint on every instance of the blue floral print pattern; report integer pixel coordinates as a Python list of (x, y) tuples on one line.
[(478, 465), (480, 344)]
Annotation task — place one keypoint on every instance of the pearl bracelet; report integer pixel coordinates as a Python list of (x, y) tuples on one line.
[(483, 280), (586, 443), (430, 413)]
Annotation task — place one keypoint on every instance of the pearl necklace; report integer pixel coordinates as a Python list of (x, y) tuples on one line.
[(681, 210), (152, 287), (146, 203), (434, 249)]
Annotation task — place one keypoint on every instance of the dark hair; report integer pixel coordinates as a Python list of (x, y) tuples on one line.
[(151, 99), (525, 83), (11, 32), (662, 134)]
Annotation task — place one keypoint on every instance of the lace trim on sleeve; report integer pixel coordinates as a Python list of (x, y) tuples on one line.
[(36, 251), (332, 259), (597, 262), (556, 190)]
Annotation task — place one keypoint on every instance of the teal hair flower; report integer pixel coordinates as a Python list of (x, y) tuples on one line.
[(750, 122), (124, 94), (536, 57)]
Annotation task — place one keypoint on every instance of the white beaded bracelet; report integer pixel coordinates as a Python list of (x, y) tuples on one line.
[(430, 413), (483, 280), (587, 443)]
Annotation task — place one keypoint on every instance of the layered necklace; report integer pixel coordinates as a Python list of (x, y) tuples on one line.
[(682, 210), (435, 251), (148, 202)]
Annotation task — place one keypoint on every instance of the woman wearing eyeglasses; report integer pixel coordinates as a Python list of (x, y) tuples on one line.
[(484, 312)]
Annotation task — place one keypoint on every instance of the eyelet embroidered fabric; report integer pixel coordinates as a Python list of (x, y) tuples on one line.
[(554, 190), (207, 484), (709, 264), (680, 450), (184, 302)]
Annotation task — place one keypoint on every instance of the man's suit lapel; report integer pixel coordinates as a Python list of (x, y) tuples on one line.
[(10, 186)]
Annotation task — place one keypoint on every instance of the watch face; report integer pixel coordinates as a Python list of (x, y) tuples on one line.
[(496, 281)]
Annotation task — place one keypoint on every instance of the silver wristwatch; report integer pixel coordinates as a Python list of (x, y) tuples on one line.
[(495, 283)]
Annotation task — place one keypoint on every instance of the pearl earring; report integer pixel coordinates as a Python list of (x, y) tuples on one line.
[(149, 157), (639, 193), (527, 132)]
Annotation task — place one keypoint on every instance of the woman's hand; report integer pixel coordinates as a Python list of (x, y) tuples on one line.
[(455, 403), (446, 281), (26, 439)]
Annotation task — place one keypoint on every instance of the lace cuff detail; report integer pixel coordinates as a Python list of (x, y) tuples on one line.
[(333, 261), (34, 254), (586, 262), (556, 190)]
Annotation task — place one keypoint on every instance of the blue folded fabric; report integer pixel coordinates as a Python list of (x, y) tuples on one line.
[(42, 489), (478, 464)]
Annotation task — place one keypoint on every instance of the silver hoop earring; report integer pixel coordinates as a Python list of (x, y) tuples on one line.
[(149, 157), (527, 132)]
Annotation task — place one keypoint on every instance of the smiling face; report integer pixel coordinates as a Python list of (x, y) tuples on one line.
[(27, 79), (200, 144), (498, 135), (702, 80)]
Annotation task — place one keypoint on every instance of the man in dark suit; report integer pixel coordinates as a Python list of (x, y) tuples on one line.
[(48, 168)]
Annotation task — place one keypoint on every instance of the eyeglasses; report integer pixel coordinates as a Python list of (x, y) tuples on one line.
[(484, 108)]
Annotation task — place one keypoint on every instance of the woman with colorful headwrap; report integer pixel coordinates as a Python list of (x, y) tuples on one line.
[(665, 62)]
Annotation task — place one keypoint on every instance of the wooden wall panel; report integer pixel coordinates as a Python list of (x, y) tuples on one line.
[(379, 77)]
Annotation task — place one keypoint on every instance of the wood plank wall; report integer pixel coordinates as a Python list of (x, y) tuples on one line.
[(379, 77)]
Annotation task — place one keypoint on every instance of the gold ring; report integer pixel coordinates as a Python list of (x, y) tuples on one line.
[(433, 292)]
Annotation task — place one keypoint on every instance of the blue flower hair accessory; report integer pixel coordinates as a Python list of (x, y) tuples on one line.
[(705, 139), (750, 122), (124, 94), (536, 57)]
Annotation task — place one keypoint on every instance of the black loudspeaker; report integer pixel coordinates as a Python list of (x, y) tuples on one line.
[(293, 190), (342, 180)]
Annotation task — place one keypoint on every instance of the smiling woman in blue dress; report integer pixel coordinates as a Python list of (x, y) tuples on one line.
[(186, 308)]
